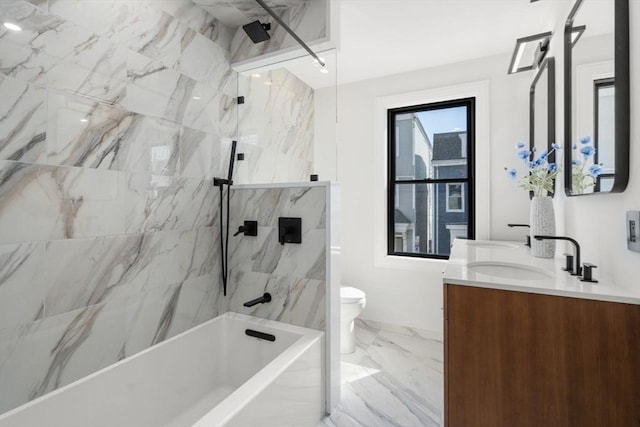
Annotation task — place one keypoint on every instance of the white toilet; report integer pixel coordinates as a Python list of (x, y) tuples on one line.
[(352, 301)]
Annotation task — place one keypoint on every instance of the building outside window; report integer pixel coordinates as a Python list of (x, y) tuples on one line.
[(430, 177)]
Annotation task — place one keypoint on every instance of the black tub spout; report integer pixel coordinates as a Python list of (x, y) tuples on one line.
[(261, 300)]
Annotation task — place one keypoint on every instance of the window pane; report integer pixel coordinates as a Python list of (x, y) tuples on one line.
[(431, 143), (428, 217)]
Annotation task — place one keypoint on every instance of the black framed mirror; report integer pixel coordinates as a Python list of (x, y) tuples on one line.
[(542, 111), (596, 97)]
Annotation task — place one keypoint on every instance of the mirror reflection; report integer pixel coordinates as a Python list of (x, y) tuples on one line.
[(592, 78)]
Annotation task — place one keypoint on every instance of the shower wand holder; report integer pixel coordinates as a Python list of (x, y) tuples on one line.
[(289, 230), (250, 228), (219, 182)]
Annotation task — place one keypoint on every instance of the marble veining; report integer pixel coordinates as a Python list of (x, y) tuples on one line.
[(160, 203), (41, 356), (394, 378), (40, 202), (21, 281), (22, 120)]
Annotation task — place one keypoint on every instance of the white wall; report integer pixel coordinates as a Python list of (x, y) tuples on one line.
[(414, 297)]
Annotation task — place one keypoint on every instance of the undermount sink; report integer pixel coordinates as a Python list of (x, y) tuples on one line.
[(509, 270), (490, 244)]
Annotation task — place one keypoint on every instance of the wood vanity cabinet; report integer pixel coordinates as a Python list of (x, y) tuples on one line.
[(523, 359)]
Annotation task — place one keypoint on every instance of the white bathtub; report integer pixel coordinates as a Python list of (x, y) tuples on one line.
[(211, 375)]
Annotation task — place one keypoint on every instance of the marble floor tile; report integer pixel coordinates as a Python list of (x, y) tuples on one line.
[(394, 378)]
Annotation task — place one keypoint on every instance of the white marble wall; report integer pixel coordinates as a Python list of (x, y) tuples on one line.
[(275, 127), (294, 274), (114, 115)]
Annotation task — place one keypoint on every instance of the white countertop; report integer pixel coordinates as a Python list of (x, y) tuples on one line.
[(558, 282)]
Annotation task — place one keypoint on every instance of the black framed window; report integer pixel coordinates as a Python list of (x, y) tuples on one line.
[(431, 198)]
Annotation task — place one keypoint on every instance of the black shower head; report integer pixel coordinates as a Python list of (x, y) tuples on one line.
[(257, 31)]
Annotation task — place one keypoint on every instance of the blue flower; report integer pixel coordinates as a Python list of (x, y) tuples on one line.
[(520, 145), (555, 146), (513, 174), (574, 146), (553, 167), (532, 165), (595, 170), (576, 162), (524, 154), (587, 151), (543, 155), (585, 140)]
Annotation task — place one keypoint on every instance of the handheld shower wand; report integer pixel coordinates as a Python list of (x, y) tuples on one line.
[(224, 242)]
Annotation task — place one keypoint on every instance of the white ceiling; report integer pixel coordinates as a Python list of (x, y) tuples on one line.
[(384, 37)]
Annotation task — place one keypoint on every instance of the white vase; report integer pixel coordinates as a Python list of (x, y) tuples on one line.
[(543, 222)]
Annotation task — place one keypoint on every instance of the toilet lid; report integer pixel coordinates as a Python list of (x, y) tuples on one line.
[(349, 294)]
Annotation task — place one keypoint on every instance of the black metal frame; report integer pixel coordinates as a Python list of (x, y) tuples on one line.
[(622, 101), (391, 170), (548, 65)]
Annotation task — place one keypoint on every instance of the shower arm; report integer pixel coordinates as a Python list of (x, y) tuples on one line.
[(290, 31)]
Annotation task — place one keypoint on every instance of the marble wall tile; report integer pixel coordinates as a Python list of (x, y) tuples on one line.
[(154, 147), (42, 4), (166, 311), (245, 286), (308, 303), (202, 59), (198, 153), (21, 283), (86, 133), (22, 120), (149, 317), (47, 354), (83, 272), (157, 90), (196, 18), (138, 25), (59, 54), (107, 19), (168, 203), (47, 202), (295, 274), (276, 124), (42, 32)]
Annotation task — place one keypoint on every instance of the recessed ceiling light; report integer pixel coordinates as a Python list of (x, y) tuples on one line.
[(255, 75), (12, 27), (197, 98), (84, 120)]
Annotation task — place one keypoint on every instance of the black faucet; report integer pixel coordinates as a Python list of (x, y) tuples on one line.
[(528, 236), (261, 300), (577, 271)]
